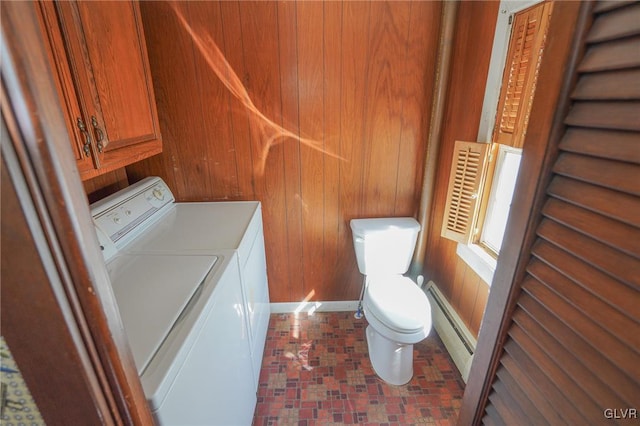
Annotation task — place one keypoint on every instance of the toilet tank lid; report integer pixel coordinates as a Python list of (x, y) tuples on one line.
[(373, 225)]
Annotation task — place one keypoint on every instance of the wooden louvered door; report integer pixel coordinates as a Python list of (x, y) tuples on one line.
[(567, 346)]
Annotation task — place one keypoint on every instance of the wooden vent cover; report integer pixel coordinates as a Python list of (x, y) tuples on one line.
[(463, 195)]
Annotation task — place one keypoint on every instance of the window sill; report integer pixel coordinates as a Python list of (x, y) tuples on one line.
[(479, 260)]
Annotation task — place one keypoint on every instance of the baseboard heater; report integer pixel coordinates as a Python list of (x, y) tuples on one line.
[(454, 334)]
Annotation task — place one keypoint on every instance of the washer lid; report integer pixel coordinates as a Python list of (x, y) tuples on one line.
[(195, 227), (151, 292), (398, 302)]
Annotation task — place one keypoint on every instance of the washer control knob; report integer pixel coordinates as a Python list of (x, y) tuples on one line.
[(127, 212), (116, 220), (158, 194)]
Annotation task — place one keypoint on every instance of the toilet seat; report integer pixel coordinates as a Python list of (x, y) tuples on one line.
[(398, 303)]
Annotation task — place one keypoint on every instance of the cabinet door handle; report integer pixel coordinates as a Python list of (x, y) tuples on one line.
[(87, 138), (98, 132)]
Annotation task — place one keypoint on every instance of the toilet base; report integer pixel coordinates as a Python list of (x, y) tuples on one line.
[(392, 361)]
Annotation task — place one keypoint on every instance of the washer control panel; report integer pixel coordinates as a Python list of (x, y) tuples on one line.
[(127, 212)]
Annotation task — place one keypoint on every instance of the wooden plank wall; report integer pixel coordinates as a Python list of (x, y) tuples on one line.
[(475, 28), (104, 185), (356, 77), (467, 293)]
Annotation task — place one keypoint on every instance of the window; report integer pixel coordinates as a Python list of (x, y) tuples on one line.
[(500, 196), (480, 168), (483, 175)]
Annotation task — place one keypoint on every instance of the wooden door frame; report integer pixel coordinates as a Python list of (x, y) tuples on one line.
[(52, 196), (567, 28)]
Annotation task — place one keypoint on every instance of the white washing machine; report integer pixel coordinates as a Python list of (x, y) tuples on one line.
[(191, 286)]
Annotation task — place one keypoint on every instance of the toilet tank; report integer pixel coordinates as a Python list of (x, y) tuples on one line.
[(384, 245)]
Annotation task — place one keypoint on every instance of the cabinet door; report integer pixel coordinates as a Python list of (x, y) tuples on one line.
[(108, 58), (79, 133)]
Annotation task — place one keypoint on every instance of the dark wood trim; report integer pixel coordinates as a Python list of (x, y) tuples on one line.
[(39, 138), (566, 31), (51, 354)]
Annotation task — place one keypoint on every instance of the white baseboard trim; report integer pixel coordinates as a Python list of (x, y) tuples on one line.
[(454, 333), (316, 306)]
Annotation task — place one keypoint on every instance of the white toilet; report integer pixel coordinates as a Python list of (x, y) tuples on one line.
[(397, 310)]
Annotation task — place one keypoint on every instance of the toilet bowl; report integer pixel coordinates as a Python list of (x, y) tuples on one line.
[(397, 310), (399, 315)]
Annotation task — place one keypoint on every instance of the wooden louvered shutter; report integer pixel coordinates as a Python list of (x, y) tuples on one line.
[(518, 83), (468, 170), (571, 342)]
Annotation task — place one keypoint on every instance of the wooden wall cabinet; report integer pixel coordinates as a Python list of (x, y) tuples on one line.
[(99, 55)]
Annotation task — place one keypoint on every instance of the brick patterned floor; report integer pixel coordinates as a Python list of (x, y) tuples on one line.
[(316, 371)]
